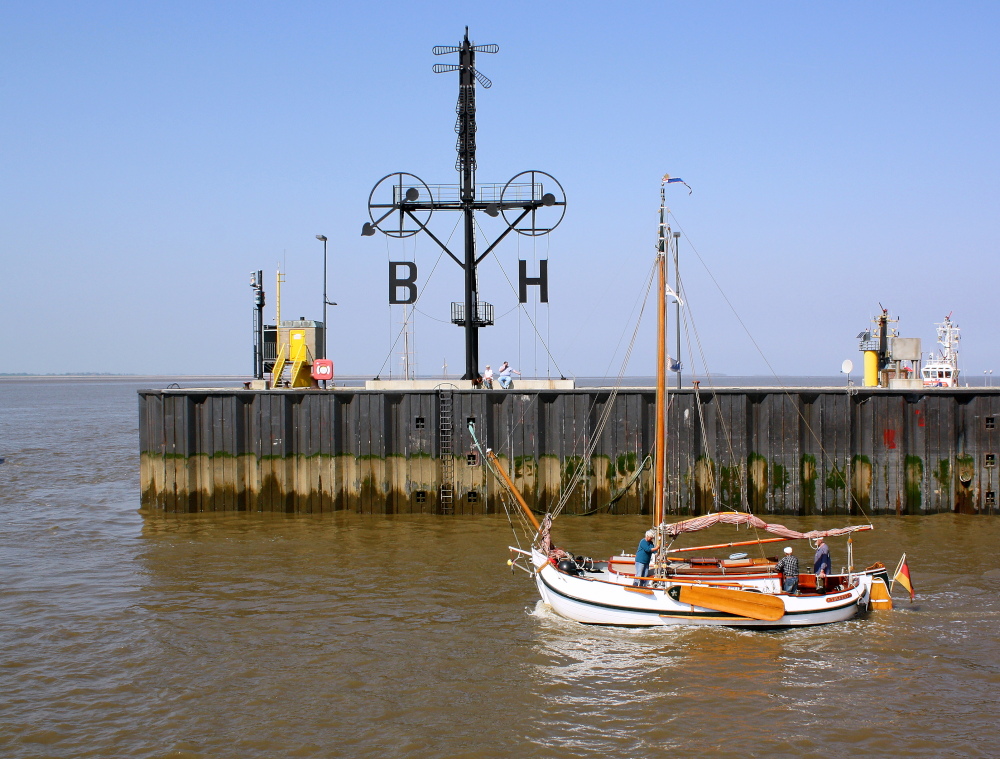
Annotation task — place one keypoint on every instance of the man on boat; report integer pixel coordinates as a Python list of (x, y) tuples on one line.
[(644, 557), (821, 563), (788, 568)]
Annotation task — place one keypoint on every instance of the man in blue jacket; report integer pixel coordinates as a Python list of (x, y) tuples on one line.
[(644, 557)]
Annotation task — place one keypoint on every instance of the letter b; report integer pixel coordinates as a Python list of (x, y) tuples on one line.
[(409, 282)]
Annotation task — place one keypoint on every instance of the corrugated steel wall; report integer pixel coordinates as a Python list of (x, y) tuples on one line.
[(782, 452)]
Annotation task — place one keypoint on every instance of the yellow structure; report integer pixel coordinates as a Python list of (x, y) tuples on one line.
[(871, 368), (293, 347), (296, 353)]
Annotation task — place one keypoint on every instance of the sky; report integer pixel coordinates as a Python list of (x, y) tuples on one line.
[(841, 155)]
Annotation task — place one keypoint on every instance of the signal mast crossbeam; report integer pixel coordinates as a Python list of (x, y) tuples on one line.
[(413, 203)]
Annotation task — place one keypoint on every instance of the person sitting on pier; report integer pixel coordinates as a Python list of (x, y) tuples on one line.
[(644, 558), (488, 378), (788, 568), (505, 372)]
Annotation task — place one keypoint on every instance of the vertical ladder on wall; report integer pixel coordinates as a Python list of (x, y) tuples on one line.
[(446, 455)]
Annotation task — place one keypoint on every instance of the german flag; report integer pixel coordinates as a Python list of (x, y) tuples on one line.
[(902, 576)]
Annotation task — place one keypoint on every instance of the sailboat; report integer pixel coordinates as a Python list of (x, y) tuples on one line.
[(734, 592)]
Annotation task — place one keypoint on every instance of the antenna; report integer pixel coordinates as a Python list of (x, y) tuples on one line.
[(532, 203)]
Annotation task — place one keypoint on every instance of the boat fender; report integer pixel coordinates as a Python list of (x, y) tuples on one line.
[(569, 567)]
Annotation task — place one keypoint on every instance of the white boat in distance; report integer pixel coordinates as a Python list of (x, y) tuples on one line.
[(942, 370)]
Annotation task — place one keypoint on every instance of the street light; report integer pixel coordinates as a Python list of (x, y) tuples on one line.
[(988, 376), (322, 239)]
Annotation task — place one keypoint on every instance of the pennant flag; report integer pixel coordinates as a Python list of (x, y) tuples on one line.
[(902, 576), (667, 179)]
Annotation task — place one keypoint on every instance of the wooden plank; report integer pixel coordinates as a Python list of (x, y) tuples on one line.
[(740, 602)]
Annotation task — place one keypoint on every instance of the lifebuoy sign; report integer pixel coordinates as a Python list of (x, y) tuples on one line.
[(322, 369)]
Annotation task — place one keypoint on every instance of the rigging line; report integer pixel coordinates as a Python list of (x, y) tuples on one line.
[(491, 467), (641, 302), (609, 404), (617, 496), (812, 432), (742, 482), (424, 313), (548, 312), (621, 337), (508, 312), (534, 352), (523, 310), (419, 295), (689, 327)]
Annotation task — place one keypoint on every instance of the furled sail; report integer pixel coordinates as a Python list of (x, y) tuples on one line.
[(739, 517)]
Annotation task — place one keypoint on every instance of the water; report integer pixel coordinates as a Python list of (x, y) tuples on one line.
[(133, 635)]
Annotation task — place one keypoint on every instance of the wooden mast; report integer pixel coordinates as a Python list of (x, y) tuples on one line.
[(661, 380)]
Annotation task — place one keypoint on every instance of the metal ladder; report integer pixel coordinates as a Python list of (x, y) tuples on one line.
[(447, 505)]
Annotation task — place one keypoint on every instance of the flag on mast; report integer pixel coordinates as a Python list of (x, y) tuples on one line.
[(667, 179), (902, 576)]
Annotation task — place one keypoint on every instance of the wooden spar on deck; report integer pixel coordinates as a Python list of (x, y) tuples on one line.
[(730, 545), (659, 460), (513, 489)]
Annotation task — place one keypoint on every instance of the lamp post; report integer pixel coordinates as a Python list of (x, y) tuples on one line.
[(322, 239)]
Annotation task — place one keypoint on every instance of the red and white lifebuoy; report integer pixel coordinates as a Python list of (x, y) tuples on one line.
[(322, 369)]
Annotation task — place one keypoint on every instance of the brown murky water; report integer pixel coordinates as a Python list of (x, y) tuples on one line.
[(266, 636)]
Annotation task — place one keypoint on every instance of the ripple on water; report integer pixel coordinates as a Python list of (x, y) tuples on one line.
[(341, 635)]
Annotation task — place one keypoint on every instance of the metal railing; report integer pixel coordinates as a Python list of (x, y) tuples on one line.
[(486, 193), (482, 318)]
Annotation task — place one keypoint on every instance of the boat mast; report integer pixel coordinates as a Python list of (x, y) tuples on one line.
[(661, 380)]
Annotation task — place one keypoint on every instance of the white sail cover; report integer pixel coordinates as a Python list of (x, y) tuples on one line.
[(738, 518)]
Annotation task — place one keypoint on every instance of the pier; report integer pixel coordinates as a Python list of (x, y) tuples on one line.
[(777, 451)]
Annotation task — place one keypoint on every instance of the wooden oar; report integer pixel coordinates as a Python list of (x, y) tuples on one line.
[(741, 602)]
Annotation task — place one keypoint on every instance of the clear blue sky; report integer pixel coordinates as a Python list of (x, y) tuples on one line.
[(841, 155)]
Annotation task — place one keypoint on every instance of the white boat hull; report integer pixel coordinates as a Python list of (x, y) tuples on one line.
[(600, 602)]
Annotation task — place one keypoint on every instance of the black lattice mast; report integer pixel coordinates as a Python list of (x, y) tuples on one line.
[(465, 125), (413, 202)]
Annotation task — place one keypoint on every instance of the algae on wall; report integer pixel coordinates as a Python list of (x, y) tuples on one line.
[(358, 450), (913, 468), (807, 478)]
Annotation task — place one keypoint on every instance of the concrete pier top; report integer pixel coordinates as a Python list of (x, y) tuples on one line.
[(442, 384)]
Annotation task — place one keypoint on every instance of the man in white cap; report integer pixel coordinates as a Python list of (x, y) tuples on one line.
[(788, 568)]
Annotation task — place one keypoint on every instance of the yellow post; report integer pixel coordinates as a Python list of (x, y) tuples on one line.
[(279, 365), (871, 368)]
